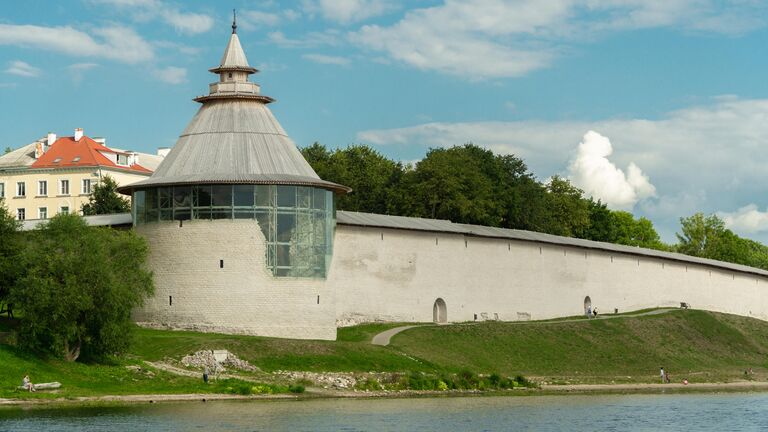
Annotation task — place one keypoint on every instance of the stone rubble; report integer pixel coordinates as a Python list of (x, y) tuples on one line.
[(204, 358)]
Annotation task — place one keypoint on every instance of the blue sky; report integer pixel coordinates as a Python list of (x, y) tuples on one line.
[(657, 107)]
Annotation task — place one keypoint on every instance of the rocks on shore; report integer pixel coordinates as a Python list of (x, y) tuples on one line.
[(217, 361)]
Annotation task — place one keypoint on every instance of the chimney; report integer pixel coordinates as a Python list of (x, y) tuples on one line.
[(163, 151), (78, 134), (51, 139), (101, 140)]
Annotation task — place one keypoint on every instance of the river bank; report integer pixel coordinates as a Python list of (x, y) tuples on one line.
[(319, 393)]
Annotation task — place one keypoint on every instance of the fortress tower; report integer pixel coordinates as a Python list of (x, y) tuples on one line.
[(240, 226)]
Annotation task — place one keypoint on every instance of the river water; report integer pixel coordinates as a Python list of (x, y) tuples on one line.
[(711, 412)]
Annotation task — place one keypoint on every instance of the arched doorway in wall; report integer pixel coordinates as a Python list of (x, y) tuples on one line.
[(440, 311), (587, 304)]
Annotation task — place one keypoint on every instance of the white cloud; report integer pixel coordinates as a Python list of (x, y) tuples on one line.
[(144, 10), (702, 158), (326, 59), (348, 11), (593, 172), (190, 23), (748, 219), (78, 70), (20, 68), (171, 75), (252, 20), (310, 40), (481, 39), (115, 43)]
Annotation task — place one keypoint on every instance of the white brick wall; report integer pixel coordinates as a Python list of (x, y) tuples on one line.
[(243, 297), (396, 275), (399, 276)]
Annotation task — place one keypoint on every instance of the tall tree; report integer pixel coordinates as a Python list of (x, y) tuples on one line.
[(371, 176), (105, 199), (79, 288), (10, 246), (568, 211), (700, 235), (456, 184)]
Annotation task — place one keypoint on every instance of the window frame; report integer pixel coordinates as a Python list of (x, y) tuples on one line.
[(63, 182), (21, 214), (21, 187), (83, 189), (42, 188), (42, 212)]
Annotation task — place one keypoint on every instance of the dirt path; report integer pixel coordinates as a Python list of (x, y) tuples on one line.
[(385, 337)]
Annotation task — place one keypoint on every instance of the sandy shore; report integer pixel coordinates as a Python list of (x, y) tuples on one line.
[(739, 386)]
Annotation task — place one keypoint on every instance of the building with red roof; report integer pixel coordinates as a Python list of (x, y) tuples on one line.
[(56, 175)]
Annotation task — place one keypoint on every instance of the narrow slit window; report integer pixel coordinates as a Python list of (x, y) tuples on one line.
[(221, 263)]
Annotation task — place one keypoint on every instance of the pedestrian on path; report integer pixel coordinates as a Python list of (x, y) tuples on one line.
[(663, 375)]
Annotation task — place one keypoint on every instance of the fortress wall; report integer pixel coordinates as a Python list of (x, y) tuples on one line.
[(243, 297), (382, 274)]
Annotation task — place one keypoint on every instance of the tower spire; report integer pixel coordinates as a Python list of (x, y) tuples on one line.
[(234, 21)]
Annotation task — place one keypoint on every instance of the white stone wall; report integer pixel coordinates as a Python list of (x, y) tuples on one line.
[(242, 297), (396, 275)]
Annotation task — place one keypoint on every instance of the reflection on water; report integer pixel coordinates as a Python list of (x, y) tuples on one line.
[(540, 413)]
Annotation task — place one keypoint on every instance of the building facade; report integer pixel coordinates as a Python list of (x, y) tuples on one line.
[(244, 238), (56, 175)]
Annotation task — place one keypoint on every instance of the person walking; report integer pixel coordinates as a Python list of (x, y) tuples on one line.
[(663, 375), (594, 312), (589, 311), (205, 375)]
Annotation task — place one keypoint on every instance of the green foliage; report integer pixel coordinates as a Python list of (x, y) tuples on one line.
[(296, 388), (10, 247), (371, 176), (707, 237), (79, 288), (567, 209), (368, 384), (105, 199), (7, 150)]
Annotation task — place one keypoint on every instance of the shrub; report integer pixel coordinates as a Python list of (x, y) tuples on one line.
[(296, 388), (369, 384)]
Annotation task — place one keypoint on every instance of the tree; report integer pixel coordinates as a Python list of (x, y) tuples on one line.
[(80, 286), (10, 245), (457, 184), (8, 150), (105, 199), (700, 235), (372, 177), (568, 211)]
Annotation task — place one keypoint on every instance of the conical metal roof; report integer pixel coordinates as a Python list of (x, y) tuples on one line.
[(234, 138)]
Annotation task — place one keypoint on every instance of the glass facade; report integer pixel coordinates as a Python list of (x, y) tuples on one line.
[(298, 222)]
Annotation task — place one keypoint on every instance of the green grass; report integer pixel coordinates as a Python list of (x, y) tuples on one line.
[(272, 354), (695, 343), (80, 379), (699, 345)]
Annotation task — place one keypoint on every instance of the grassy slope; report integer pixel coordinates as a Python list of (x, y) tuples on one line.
[(685, 342), (352, 352), (689, 343)]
